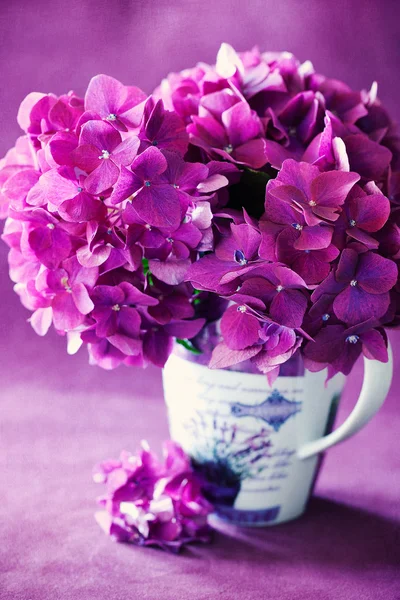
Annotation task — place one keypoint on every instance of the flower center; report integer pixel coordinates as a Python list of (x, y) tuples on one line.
[(312, 203), (170, 240), (65, 284), (176, 186), (50, 225), (326, 317), (80, 189), (228, 149), (352, 223), (116, 307), (104, 155), (353, 282), (279, 288), (352, 339), (154, 143), (239, 257), (112, 117), (147, 183), (297, 226), (307, 251), (242, 309), (148, 227)]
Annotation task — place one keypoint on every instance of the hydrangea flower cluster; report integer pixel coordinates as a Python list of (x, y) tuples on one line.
[(255, 190), (153, 503)]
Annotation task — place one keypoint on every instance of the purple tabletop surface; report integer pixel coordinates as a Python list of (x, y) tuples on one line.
[(58, 416)]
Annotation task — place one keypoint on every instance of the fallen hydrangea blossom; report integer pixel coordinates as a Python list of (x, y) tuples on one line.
[(153, 503)]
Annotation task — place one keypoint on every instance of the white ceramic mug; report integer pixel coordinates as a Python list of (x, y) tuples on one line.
[(257, 445)]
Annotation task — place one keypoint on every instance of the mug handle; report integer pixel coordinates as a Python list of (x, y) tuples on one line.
[(376, 384)]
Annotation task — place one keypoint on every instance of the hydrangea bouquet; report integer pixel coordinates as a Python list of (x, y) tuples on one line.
[(254, 191)]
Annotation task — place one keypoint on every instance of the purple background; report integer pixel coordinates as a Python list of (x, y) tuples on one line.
[(58, 416)]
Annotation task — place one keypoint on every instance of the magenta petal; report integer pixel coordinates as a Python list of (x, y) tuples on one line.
[(269, 235), (361, 236), (375, 273), (107, 295), (185, 329), (18, 186), (135, 296), (66, 316), (50, 246), (288, 308), (299, 175), (367, 157), (61, 146), (84, 207), (369, 212), (248, 239), (126, 185), (106, 321), (82, 299), (129, 321), (277, 210), (158, 205), (354, 305), (239, 328), (374, 345), (95, 258), (86, 157), (126, 151), (104, 95), (54, 187), (347, 265), (101, 135), (25, 109), (242, 123), (126, 344), (327, 344), (314, 238), (102, 178), (311, 268), (331, 188), (41, 320), (207, 272), (212, 183), (289, 194), (171, 271), (275, 154), (157, 346), (150, 163), (223, 357)]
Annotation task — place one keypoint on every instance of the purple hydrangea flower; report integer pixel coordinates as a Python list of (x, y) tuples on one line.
[(361, 286), (339, 347), (101, 152), (121, 106), (163, 129), (226, 127), (135, 220), (153, 503)]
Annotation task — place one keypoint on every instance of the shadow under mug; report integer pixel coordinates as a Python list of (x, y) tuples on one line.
[(256, 446)]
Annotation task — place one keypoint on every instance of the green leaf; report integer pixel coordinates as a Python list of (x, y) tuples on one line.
[(146, 271), (189, 346)]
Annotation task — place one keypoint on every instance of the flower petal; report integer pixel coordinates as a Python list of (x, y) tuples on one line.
[(239, 328)]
